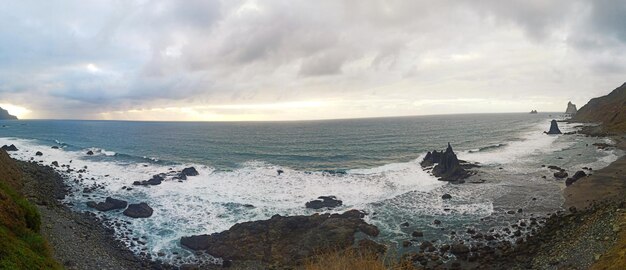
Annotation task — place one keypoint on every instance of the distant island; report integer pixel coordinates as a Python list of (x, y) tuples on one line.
[(4, 115), (533, 112)]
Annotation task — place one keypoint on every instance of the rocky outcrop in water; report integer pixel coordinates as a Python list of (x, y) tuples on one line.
[(324, 202), (108, 205), (4, 115), (571, 108), (533, 112), (139, 210), (284, 240), (448, 167), (554, 128), (9, 148), (576, 177), (608, 110)]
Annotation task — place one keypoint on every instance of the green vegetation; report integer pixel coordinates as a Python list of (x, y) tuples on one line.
[(21, 245)]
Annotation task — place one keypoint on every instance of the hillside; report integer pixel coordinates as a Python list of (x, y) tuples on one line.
[(4, 115), (610, 110), (21, 245)]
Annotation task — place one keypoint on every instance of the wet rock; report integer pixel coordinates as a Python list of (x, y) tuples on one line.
[(459, 249), (280, 171), (108, 205), (577, 175), (286, 240), (324, 202), (446, 196), (39, 153), (554, 128), (191, 171), (55, 163), (9, 148), (560, 174), (448, 167), (90, 153), (140, 210), (417, 234), (55, 147), (155, 180)]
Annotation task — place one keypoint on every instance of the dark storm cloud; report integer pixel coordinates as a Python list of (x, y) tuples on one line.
[(101, 56)]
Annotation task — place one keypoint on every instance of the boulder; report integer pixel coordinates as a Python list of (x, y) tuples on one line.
[(55, 163), (560, 174), (39, 153), (9, 148), (90, 153), (283, 240), (191, 171), (155, 180), (139, 210), (324, 202), (554, 128), (446, 196), (577, 175), (108, 205), (459, 249), (55, 147)]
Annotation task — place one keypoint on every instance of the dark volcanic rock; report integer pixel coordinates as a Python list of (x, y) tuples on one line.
[(90, 153), (324, 202), (9, 148), (554, 128), (446, 196), (191, 171), (155, 180), (140, 210), (577, 175), (285, 240), (55, 163), (108, 204), (449, 166), (39, 153), (560, 174)]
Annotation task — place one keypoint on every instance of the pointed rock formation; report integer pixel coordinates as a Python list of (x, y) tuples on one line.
[(449, 167), (571, 108), (554, 128)]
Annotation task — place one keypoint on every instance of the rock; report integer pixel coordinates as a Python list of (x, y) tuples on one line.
[(280, 172), (404, 224), (39, 153), (55, 163), (577, 175), (406, 243), (324, 202), (90, 153), (448, 166), (155, 180), (191, 171), (417, 234), (554, 128), (108, 205), (285, 240), (560, 174), (446, 196), (4, 115), (9, 148), (55, 147), (571, 108), (552, 167), (459, 249), (140, 210)]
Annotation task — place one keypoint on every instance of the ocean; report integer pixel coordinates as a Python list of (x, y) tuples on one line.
[(370, 164)]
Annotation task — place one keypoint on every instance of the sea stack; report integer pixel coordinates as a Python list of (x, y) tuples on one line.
[(554, 128), (571, 108), (448, 166)]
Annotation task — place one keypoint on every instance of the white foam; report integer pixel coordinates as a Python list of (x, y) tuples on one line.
[(215, 200), (533, 142)]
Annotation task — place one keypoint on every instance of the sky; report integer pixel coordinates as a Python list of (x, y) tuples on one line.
[(274, 60)]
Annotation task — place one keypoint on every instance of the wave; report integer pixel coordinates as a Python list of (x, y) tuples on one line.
[(488, 148)]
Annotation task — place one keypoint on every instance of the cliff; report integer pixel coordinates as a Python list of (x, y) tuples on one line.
[(4, 115), (610, 110)]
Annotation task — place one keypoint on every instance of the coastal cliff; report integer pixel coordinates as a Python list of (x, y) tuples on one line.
[(610, 110), (4, 115)]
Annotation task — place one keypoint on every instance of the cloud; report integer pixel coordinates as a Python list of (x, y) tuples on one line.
[(75, 58)]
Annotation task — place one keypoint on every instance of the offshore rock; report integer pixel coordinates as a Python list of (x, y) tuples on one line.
[(108, 205), (449, 167), (191, 171), (554, 128), (139, 210), (324, 202), (284, 240)]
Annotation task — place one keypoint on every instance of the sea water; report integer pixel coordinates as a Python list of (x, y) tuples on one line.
[(370, 164)]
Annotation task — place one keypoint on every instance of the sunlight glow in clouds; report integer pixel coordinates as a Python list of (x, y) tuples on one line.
[(18, 111), (216, 60)]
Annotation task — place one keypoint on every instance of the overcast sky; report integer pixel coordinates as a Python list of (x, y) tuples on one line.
[(289, 60)]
